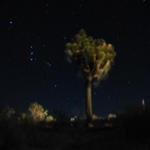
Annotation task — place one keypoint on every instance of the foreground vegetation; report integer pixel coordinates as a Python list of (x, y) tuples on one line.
[(94, 57), (129, 131)]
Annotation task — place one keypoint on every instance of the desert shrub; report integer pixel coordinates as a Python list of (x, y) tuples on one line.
[(61, 116), (37, 112), (7, 113), (135, 124), (50, 119)]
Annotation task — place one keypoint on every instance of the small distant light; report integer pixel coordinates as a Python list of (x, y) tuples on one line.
[(143, 102), (72, 119), (31, 59), (10, 22), (31, 46)]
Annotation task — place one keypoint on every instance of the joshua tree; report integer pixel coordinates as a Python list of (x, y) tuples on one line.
[(94, 58)]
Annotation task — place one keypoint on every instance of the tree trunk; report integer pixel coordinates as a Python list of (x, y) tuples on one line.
[(88, 101)]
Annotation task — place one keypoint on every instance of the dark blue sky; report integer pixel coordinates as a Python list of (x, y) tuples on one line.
[(32, 60)]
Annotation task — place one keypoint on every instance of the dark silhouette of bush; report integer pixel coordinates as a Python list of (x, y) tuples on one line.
[(129, 131), (135, 124)]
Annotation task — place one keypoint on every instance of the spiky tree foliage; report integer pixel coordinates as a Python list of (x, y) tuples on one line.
[(94, 57), (37, 112)]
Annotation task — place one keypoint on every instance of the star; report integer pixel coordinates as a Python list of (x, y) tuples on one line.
[(31, 59), (55, 85), (10, 22), (143, 102)]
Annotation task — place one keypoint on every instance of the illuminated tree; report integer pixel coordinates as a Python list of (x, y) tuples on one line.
[(94, 58), (37, 112)]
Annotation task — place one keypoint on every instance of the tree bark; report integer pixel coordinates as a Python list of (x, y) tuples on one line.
[(88, 100)]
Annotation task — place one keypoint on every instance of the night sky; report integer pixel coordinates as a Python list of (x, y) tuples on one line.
[(33, 66)]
